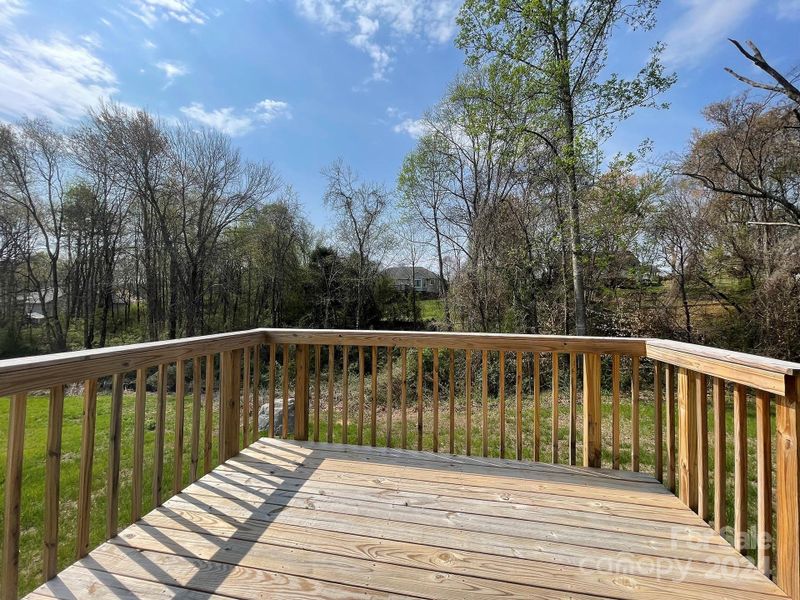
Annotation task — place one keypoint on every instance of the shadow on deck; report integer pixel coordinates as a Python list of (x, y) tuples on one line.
[(291, 519)]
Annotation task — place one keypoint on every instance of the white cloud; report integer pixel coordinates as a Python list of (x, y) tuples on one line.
[(172, 69), (235, 123), (149, 44), (704, 26), (150, 12), (415, 128), (364, 22), (56, 78), (10, 9), (789, 9)]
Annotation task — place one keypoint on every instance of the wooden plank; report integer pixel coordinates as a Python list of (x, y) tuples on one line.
[(403, 398), (114, 447), (256, 390), (740, 468), (573, 409), (435, 406), (302, 368), (285, 390), (246, 356), (195, 449), (591, 411), (373, 430), (468, 401), (702, 447), (669, 382), (177, 455), (345, 392), (485, 402), (389, 404), (13, 494), (451, 390), (87, 461), (502, 402), (720, 456), (420, 405), (208, 425), (687, 438), (615, 419), (52, 482), (331, 379), (537, 408), (317, 388), (635, 413), (764, 482), (137, 482), (658, 407), (273, 350), (230, 407), (518, 389), (158, 458), (787, 449), (360, 395), (554, 410)]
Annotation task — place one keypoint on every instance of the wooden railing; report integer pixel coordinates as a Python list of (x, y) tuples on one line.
[(513, 396)]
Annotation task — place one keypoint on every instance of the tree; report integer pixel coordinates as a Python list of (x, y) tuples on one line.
[(556, 53)]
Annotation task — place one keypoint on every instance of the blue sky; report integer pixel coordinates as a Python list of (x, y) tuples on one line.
[(302, 82)]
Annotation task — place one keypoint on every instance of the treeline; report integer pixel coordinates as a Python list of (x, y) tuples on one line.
[(537, 230)]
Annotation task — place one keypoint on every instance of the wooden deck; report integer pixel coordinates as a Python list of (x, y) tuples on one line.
[(304, 520)]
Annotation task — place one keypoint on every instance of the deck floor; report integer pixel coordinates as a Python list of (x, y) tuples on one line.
[(303, 520)]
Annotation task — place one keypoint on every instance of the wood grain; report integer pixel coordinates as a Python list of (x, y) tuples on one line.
[(86, 464), (52, 481)]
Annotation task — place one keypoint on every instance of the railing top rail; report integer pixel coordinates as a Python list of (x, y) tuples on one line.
[(755, 361)]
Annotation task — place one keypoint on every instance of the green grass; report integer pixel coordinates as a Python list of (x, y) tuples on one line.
[(431, 310), (36, 432)]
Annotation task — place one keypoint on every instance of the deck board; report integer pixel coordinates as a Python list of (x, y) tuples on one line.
[(313, 520)]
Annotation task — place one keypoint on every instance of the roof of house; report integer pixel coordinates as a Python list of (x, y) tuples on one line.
[(409, 272)]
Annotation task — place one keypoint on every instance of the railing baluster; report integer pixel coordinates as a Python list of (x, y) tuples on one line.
[(702, 446), (389, 383), (208, 435), (87, 460), (687, 443), (787, 449), (537, 408), (137, 482), (331, 374), (373, 432), (435, 399), (669, 382), (764, 487), (273, 351), (740, 467), (591, 411), (452, 398), (195, 450), (245, 397), (361, 399), (468, 395), (180, 394), (420, 406), (52, 483), (518, 389), (573, 409), (161, 408), (658, 407), (256, 390), (635, 413), (502, 399), (317, 388), (720, 467), (615, 447), (485, 403), (13, 494), (554, 411), (114, 445), (403, 398), (285, 392), (345, 392), (302, 363)]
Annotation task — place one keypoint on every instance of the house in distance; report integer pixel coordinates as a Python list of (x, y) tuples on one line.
[(421, 280)]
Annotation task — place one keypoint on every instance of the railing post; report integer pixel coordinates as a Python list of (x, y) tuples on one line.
[(591, 410), (301, 393), (687, 437), (230, 375), (788, 489)]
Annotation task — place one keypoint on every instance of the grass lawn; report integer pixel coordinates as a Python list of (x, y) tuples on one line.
[(432, 309), (36, 433)]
